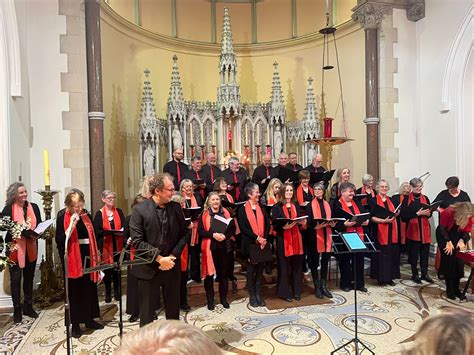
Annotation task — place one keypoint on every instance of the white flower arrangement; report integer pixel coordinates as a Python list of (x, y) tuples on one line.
[(13, 227)]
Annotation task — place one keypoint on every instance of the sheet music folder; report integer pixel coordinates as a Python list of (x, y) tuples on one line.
[(142, 256), (350, 242)]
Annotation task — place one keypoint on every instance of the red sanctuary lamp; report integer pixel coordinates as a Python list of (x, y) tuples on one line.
[(328, 127)]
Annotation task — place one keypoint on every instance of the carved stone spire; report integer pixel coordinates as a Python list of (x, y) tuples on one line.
[(147, 110), (277, 104), (310, 117), (176, 105), (228, 93)]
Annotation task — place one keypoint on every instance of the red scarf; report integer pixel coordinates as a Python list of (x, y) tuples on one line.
[(23, 244), (194, 239), (257, 223), (382, 228), (403, 225), (108, 247), (74, 252), (322, 246), (413, 229), (359, 229), (365, 201), (300, 196), (207, 264), (271, 201), (292, 237)]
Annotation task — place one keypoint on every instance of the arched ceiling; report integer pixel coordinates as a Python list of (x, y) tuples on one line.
[(253, 21)]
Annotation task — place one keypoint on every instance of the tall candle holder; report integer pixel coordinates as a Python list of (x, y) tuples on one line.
[(269, 150), (257, 147), (192, 149), (50, 289), (203, 151)]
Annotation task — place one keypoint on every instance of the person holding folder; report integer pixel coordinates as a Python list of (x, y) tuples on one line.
[(107, 223), (385, 227), (255, 225), (304, 196), (215, 229), (319, 244), (342, 208), (289, 244), (26, 252)]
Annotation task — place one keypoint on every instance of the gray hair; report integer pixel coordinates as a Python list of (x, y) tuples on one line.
[(249, 188), (195, 158), (184, 181), (380, 181), (416, 181), (366, 178), (343, 186), (12, 192), (106, 193), (233, 160), (319, 185)]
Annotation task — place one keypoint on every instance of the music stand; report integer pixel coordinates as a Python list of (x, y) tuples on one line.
[(350, 243)]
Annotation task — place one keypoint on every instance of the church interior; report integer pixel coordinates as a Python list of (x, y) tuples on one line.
[(97, 95)]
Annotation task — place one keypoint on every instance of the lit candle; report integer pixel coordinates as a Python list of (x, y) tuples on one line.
[(202, 136), (191, 134), (268, 135), (246, 133), (47, 181), (257, 139)]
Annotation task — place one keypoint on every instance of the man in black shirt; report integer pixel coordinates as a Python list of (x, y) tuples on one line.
[(235, 175), (211, 168), (158, 223), (263, 173), (176, 168), (196, 173), (316, 165), (293, 164)]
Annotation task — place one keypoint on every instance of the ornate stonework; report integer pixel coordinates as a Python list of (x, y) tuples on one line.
[(415, 10), (369, 15)]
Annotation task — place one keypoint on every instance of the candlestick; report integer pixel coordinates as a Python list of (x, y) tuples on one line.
[(257, 147), (47, 180), (202, 137), (192, 149), (268, 136), (246, 133), (203, 151), (191, 140), (269, 150), (257, 138)]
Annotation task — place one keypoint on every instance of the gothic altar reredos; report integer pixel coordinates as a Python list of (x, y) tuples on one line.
[(227, 126)]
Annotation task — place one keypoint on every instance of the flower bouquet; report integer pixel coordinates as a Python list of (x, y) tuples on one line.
[(15, 229)]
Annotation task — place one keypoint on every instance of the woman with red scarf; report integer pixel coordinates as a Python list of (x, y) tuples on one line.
[(452, 235), (215, 249), (319, 244), (342, 175), (304, 196), (255, 225), (25, 249), (289, 245), (83, 300), (385, 228), (107, 221), (417, 216), (346, 204)]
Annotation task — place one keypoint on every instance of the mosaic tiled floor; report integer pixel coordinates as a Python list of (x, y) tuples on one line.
[(388, 317)]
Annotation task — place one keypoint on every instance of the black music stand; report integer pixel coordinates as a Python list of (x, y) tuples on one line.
[(350, 243)]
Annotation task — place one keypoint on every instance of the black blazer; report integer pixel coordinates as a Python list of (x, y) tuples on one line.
[(248, 236), (99, 229), (146, 234)]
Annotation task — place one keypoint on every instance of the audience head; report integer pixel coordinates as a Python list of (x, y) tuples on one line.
[(287, 194), (162, 188), (283, 159), (452, 183), (252, 191), (293, 158), (463, 212), (405, 188), (234, 164), (109, 198), (368, 180), (445, 334), (16, 192), (211, 158), (416, 185), (186, 187), (317, 161), (343, 174), (347, 190), (145, 190), (167, 337), (74, 201), (178, 154), (196, 163), (304, 176), (266, 160)]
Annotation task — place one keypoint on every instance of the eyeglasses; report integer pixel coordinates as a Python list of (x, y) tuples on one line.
[(110, 198), (170, 190)]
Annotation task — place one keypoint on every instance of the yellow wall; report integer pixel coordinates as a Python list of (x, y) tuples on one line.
[(127, 51)]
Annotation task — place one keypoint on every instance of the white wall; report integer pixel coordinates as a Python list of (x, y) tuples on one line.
[(427, 137)]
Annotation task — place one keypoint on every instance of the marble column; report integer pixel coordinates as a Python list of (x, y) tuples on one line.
[(96, 114)]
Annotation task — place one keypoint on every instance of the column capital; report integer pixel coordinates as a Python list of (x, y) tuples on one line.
[(371, 120), (370, 12)]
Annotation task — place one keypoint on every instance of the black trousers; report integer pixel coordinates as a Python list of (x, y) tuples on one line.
[(83, 299), (132, 294), (231, 261), (314, 258), (183, 289), (111, 276), (16, 273), (220, 258), (148, 291), (346, 267), (388, 262), (418, 251), (254, 277), (290, 274), (195, 261)]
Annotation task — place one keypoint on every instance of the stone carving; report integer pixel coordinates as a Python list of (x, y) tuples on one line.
[(176, 136), (416, 10), (149, 160), (278, 141), (311, 153), (369, 15)]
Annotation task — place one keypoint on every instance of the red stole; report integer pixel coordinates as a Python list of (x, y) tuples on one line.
[(413, 229), (364, 201), (299, 193), (403, 225), (74, 252), (292, 237), (382, 228), (359, 229), (257, 223), (322, 246), (194, 235), (23, 244), (271, 201), (207, 264), (108, 247), (231, 200)]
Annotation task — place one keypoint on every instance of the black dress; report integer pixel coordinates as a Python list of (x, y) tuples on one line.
[(84, 303), (448, 199)]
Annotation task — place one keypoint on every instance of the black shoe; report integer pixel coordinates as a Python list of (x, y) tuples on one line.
[(116, 296), (185, 307), (108, 297), (391, 283), (416, 280), (76, 331), (298, 298), (459, 295), (381, 284), (346, 289), (210, 306), (133, 318), (94, 325), (261, 302), (17, 315), (288, 299), (234, 286), (29, 311), (427, 278), (225, 304), (253, 301), (451, 296), (324, 289), (362, 289), (197, 280)]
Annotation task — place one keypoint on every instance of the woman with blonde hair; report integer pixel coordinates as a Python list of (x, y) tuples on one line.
[(342, 175), (452, 235), (272, 193)]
